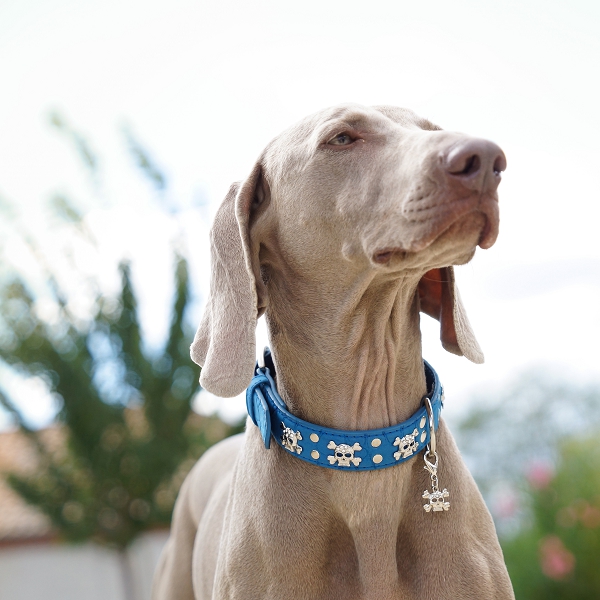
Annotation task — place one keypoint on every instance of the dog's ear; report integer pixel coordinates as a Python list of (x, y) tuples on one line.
[(440, 299), (224, 345)]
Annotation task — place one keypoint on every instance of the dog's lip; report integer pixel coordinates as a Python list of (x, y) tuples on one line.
[(487, 238), (488, 234)]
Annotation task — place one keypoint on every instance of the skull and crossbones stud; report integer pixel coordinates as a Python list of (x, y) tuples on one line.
[(343, 454), (436, 502), (290, 439), (407, 445)]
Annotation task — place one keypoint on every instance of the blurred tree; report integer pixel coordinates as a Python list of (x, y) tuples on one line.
[(127, 434), (131, 436), (533, 451), (508, 430)]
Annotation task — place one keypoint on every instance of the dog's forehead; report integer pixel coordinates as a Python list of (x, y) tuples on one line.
[(353, 115), (293, 146), (406, 117)]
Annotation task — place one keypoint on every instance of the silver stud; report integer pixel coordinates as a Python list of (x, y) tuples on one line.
[(376, 443), (315, 454), (377, 458), (314, 438), (423, 436), (423, 421)]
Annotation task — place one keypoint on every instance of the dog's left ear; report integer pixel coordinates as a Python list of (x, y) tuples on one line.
[(440, 299), (224, 345)]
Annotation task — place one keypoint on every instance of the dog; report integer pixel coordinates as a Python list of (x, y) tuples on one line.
[(347, 227)]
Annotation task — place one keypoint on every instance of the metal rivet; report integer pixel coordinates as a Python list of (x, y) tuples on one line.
[(315, 454), (376, 443), (314, 438), (422, 423), (423, 436), (377, 458)]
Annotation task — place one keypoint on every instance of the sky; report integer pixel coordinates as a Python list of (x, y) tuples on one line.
[(205, 86)]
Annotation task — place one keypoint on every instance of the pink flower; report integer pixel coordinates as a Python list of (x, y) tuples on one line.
[(556, 561), (506, 504), (540, 474)]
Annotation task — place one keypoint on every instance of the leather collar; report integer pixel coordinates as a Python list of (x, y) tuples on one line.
[(335, 448)]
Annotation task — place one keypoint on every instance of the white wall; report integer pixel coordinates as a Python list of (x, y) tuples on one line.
[(143, 556), (48, 571)]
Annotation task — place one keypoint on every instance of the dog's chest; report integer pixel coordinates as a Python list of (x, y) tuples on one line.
[(341, 528)]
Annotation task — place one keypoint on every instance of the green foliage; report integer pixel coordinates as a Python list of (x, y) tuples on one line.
[(125, 416), (86, 154), (556, 555), (143, 161), (125, 435)]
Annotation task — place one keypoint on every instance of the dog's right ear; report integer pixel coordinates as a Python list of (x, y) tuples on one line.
[(224, 345), (439, 298)]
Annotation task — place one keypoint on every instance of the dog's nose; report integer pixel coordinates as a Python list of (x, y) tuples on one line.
[(476, 164)]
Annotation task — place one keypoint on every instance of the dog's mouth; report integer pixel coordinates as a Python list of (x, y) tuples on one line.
[(483, 220), (384, 256)]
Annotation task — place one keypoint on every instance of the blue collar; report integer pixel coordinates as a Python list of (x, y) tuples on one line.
[(335, 448)]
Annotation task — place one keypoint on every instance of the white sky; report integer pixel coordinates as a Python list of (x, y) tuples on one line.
[(206, 85)]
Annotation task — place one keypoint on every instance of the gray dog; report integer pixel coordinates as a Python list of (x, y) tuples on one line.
[(347, 227)]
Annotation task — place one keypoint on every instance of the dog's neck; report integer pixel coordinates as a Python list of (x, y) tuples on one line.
[(354, 362)]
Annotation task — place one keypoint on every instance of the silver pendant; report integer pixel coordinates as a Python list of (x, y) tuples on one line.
[(436, 500)]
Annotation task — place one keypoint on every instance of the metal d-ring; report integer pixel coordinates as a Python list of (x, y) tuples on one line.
[(432, 442)]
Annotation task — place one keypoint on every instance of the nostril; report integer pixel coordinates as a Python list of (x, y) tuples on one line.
[(466, 165), (499, 164)]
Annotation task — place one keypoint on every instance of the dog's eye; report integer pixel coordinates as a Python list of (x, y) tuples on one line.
[(341, 139)]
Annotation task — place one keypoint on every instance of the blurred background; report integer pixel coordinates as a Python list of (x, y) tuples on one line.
[(122, 125)]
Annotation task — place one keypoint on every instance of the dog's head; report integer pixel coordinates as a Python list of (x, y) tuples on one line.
[(348, 193)]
